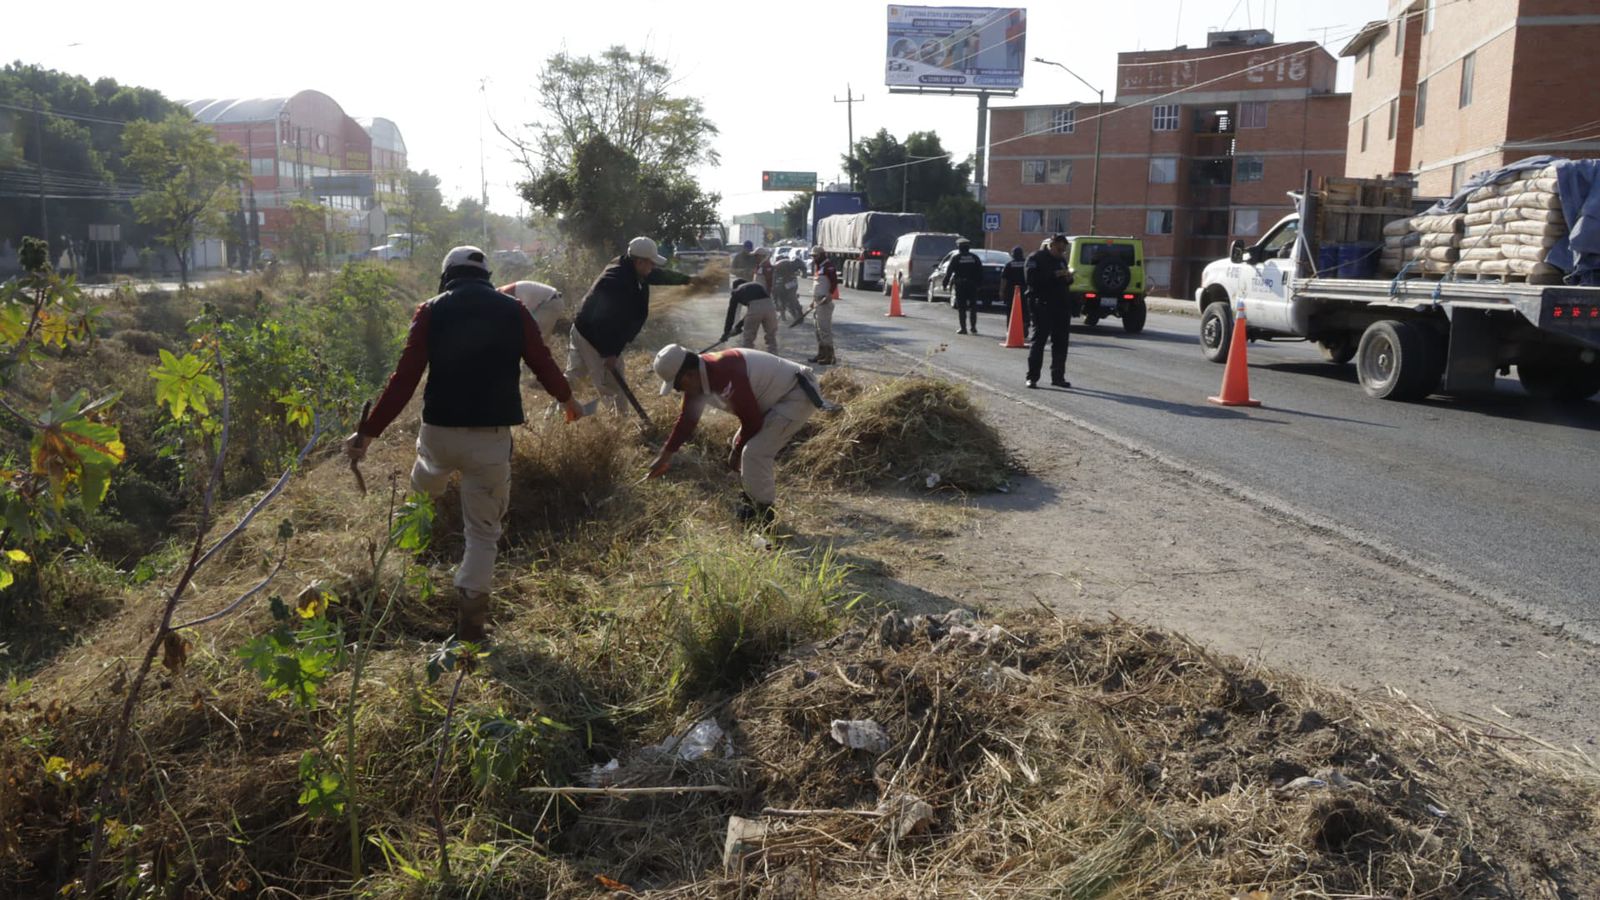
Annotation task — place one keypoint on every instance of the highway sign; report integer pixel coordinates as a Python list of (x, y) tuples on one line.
[(991, 221), (788, 181)]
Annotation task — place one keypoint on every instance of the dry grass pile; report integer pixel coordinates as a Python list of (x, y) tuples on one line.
[(911, 429)]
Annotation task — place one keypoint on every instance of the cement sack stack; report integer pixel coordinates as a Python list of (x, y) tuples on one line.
[(1421, 245), (1511, 226)]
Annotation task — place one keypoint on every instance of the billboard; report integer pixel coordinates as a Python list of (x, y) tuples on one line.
[(970, 47)]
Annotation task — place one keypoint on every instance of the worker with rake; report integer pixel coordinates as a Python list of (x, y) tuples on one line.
[(472, 340), (612, 315), (760, 313), (772, 398)]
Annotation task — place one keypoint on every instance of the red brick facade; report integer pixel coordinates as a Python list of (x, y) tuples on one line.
[(1200, 148), (1498, 80)]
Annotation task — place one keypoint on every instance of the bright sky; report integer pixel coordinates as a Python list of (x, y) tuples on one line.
[(768, 73)]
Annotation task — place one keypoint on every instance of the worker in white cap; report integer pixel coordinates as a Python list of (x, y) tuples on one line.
[(771, 396), (612, 315), (541, 300), (472, 341)]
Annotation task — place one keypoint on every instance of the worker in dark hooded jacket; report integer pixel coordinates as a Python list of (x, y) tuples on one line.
[(612, 315), (1014, 277)]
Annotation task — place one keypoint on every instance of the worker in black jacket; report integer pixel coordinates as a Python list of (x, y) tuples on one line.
[(612, 315), (760, 313), (1049, 289), (966, 270), (1014, 277)]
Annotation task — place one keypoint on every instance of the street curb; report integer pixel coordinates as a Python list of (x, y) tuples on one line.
[(1171, 307)]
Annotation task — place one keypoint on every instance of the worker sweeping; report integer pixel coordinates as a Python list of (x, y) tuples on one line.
[(612, 315), (824, 291), (966, 270), (772, 398), (472, 340), (542, 301), (742, 264), (786, 286), (760, 313)]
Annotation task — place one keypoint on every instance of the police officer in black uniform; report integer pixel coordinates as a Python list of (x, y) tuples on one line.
[(1013, 277), (966, 270), (1049, 290)]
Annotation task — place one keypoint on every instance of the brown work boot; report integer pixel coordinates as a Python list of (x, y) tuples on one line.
[(472, 617)]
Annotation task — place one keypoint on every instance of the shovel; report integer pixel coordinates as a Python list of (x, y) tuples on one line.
[(355, 467), (616, 373)]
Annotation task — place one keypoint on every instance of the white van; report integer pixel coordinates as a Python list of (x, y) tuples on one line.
[(915, 257)]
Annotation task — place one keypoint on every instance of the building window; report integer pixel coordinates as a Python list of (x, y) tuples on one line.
[(1157, 275), (1250, 168), (1163, 169), (1055, 221), (1364, 133), (1422, 102), (1371, 52), (1253, 114), (1394, 117), (1400, 34), (1469, 65), (1032, 221), (1458, 176), (1047, 171), (1209, 223), (1246, 222), (1158, 221), (262, 166), (1054, 120), (1427, 16), (1164, 117)]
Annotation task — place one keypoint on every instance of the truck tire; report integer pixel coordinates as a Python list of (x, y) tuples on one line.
[(1398, 361), (1216, 331), (1133, 313), (1339, 350), (1562, 384), (1112, 277)]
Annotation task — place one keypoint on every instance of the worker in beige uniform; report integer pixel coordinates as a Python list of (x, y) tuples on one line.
[(541, 300), (824, 291), (771, 396)]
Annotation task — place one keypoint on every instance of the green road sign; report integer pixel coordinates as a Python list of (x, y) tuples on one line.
[(788, 181)]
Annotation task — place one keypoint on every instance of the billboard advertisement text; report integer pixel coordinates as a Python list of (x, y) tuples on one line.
[(963, 47)]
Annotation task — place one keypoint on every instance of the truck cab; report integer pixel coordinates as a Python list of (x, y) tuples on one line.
[(1259, 279)]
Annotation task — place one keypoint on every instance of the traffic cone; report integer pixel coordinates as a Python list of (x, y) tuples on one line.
[(894, 302), (1236, 374), (1014, 337)]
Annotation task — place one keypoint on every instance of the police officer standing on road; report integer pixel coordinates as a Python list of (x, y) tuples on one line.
[(966, 270), (1049, 288), (1013, 277)]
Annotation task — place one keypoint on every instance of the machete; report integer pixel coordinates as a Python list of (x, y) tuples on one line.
[(355, 467), (616, 374)]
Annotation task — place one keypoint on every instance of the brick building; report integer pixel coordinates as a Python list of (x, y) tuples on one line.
[(306, 147), (1445, 89), (1200, 147)]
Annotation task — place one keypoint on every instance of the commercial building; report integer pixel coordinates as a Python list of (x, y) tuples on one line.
[(1200, 147), (307, 147), (1445, 89)]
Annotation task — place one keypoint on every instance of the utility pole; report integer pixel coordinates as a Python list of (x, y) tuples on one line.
[(1099, 131), (38, 152), (980, 177), (850, 100)]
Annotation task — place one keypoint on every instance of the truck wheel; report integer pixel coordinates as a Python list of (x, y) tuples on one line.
[(1563, 384), (1216, 331), (1339, 350), (1133, 313), (1396, 362), (886, 289)]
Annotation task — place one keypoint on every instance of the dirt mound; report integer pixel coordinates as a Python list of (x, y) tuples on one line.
[(912, 429), (1049, 758)]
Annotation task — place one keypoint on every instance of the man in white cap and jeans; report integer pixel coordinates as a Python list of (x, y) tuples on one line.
[(472, 340), (612, 315), (771, 396)]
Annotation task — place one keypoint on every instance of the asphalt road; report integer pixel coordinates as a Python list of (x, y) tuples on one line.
[(1498, 494)]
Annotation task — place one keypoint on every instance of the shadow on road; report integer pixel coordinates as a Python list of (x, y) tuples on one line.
[(1520, 407), (1323, 370), (1192, 410)]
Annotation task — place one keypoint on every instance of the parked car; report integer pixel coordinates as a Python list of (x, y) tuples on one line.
[(1108, 276), (994, 262), (913, 260)]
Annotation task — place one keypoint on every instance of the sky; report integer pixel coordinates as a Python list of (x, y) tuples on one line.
[(768, 74)]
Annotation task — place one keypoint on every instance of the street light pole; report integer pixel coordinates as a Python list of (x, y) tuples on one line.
[(1099, 132)]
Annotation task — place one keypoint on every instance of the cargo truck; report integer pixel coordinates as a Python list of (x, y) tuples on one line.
[(859, 244), (831, 203)]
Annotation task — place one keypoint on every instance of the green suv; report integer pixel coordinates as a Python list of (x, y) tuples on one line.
[(1108, 276)]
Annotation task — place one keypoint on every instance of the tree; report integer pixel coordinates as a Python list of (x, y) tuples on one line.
[(307, 234), (615, 151), (190, 181), (795, 213), (916, 176)]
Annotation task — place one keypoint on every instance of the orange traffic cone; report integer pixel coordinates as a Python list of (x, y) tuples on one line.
[(1014, 337), (894, 302), (1236, 374)]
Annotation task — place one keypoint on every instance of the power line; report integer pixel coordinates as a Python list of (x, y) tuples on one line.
[(61, 115)]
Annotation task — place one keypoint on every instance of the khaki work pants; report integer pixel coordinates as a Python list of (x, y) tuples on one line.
[(824, 315), (758, 464), (483, 457), (761, 315), (585, 362)]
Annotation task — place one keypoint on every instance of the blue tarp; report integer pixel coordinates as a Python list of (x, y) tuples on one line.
[(1578, 183)]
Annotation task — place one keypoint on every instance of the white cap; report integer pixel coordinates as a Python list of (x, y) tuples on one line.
[(669, 362), (645, 248), (471, 257)]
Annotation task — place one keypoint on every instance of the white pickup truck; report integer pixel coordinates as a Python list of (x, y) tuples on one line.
[(1409, 337)]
